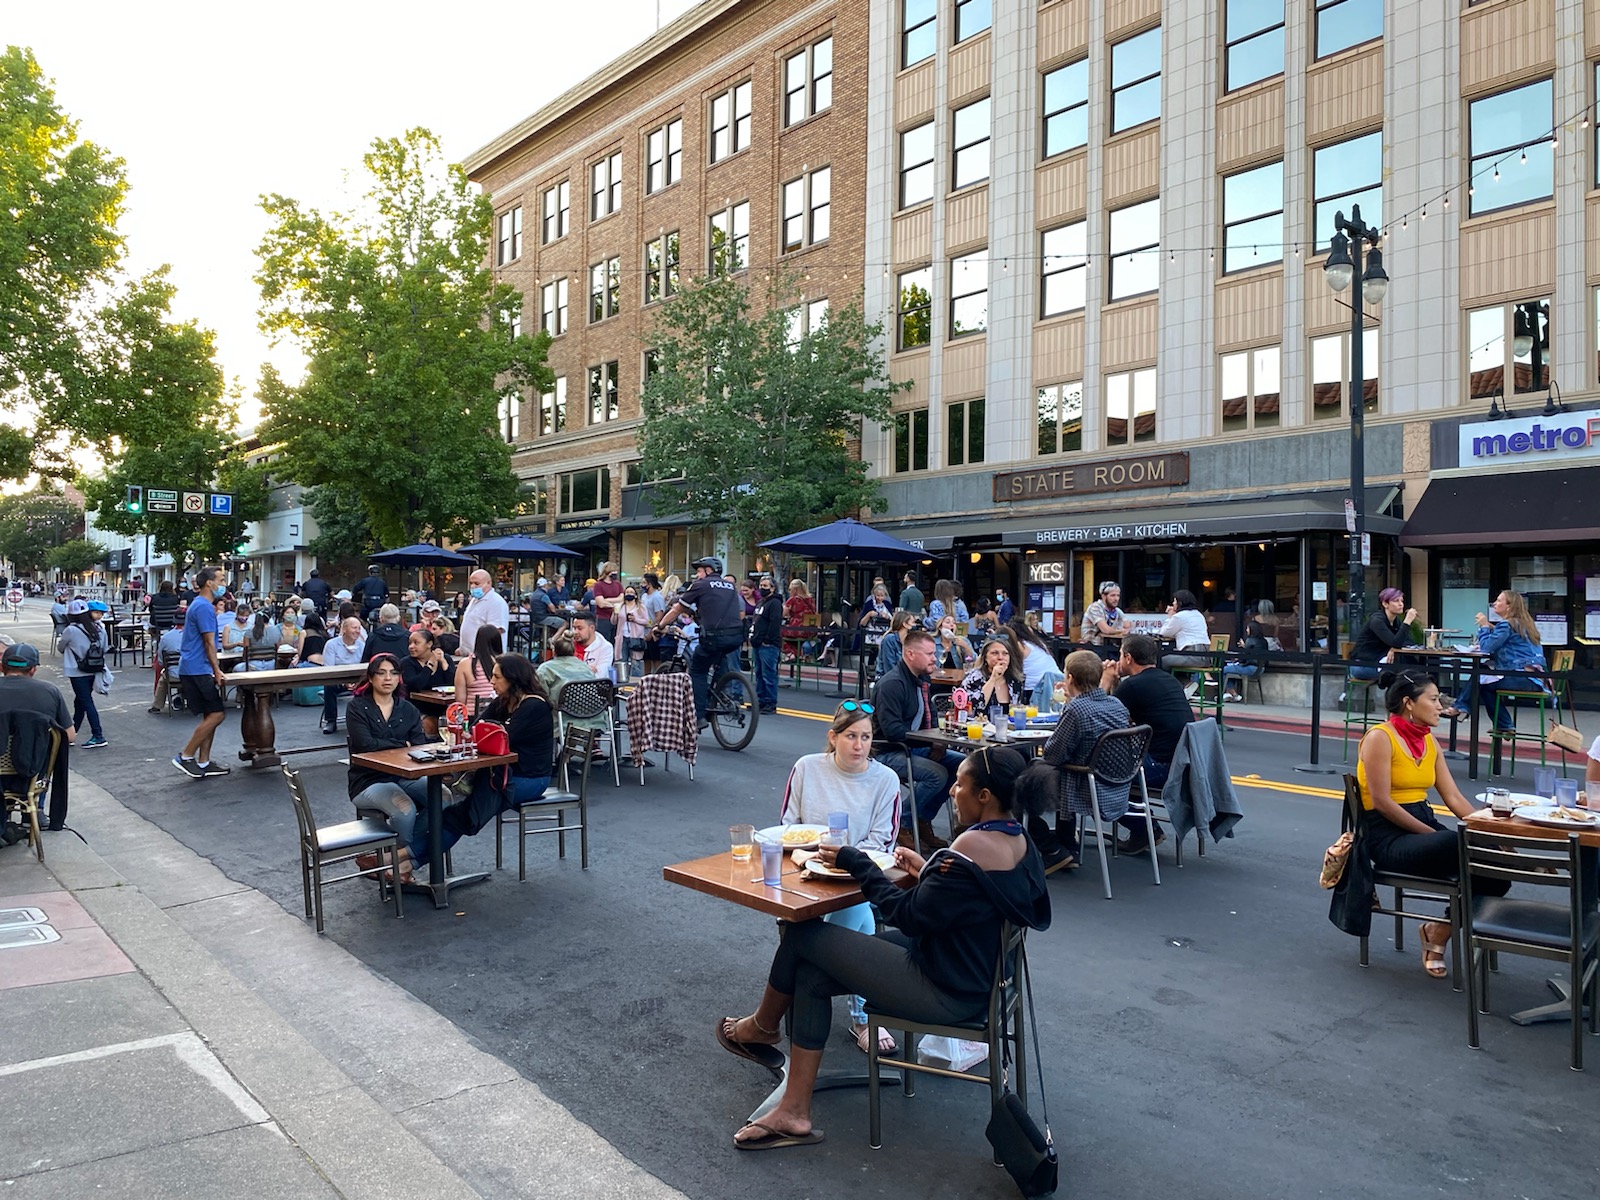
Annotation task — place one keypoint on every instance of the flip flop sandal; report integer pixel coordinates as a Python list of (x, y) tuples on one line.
[(886, 1042), (759, 1053), (1433, 961), (774, 1139)]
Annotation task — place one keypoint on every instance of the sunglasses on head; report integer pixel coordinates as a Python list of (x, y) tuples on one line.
[(860, 706)]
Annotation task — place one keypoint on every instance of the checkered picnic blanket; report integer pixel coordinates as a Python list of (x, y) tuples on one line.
[(661, 716)]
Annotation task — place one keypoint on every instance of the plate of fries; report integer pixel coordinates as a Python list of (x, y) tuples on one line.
[(794, 837), (1560, 816)]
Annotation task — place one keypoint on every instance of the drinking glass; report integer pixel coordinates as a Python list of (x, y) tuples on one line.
[(839, 823), (1031, 711), (1567, 792), (1544, 782), (1500, 801), (741, 837), (1593, 790), (771, 862), (974, 731)]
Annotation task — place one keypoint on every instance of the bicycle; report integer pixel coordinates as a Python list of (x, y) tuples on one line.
[(730, 702)]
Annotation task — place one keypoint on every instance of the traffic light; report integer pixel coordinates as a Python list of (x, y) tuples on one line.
[(135, 501)]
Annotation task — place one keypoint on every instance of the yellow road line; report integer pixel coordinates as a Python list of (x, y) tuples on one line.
[(810, 716)]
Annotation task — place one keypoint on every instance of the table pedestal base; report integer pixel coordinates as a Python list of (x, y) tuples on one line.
[(1561, 1010), (441, 891), (825, 1083)]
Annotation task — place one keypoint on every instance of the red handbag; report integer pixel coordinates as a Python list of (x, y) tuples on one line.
[(490, 737)]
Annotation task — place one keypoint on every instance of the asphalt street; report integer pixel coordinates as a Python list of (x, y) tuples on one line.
[(1213, 1036)]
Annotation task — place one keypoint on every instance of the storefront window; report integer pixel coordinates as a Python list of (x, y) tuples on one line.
[(1542, 580), (1463, 593)]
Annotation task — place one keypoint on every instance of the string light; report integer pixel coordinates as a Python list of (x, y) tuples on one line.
[(1524, 157)]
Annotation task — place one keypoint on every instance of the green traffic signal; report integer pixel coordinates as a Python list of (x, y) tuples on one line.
[(135, 500)]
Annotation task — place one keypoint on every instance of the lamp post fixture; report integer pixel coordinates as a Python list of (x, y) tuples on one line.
[(1344, 266)]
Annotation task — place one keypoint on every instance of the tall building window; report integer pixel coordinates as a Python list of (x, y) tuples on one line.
[(605, 186), (605, 289), (911, 441), (969, 293), (1136, 80), (1066, 107), (663, 156), (1131, 407), (972, 18), (553, 307), (1330, 374), (553, 408), (556, 203), (649, 364), (510, 416), (805, 210), (914, 309), (918, 30), (971, 150), (1252, 383), (509, 243), (1252, 218), (584, 491), (1345, 23), (1060, 409), (730, 122), (1513, 151), (1253, 30), (916, 165), (963, 429), (730, 240), (661, 267), (804, 320), (603, 392), (1525, 326), (1135, 242), (1344, 175), (1064, 270), (808, 82)]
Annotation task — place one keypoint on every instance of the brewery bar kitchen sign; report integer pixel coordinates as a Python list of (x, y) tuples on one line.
[(1077, 479)]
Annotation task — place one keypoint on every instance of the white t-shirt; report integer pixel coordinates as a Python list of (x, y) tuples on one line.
[(1594, 750), (1188, 631), (599, 656), (488, 609)]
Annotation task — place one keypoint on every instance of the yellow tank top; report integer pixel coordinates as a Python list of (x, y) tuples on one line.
[(1409, 780)]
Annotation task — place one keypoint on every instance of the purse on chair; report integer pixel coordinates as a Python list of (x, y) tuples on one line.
[(1026, 1152)]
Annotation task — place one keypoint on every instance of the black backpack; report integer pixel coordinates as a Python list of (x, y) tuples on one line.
[(93, 660)]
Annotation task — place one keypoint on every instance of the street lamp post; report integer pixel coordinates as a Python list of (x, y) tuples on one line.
[(1344, 266)]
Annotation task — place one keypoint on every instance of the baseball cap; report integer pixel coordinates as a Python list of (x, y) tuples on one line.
[(76, 608), (431, 606), (342, 594), (543, 582), (21, 656)]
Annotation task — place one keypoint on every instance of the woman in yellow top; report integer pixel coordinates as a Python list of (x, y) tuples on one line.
[(1399, 764)]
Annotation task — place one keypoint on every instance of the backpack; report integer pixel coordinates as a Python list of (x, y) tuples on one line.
[(93, 660)]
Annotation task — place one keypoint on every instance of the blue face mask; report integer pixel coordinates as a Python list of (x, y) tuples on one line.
[(477, 593), (222, 589)]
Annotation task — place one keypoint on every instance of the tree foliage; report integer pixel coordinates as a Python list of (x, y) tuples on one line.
[(32, 524), (760, 421), (61, 197), (76, 556), (410, 345), (342, 529)]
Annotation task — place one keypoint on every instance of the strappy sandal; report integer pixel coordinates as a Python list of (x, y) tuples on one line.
[(1433, 952)]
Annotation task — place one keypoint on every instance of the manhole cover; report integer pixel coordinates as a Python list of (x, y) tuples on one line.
[(27, 935), (10, 917)]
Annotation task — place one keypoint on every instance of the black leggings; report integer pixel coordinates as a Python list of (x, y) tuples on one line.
[(1435, 855), (817, 961)]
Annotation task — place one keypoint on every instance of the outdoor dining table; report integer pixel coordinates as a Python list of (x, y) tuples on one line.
[(431, 698), (1457, 662), (1485, 821), (948, 676), (257, 732), (401, 765), (1028, 740)]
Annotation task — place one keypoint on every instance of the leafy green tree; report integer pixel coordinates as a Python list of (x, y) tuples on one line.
[(342, 529), (32, 524), (75, 557), (410, 341), (61, 197), (761, 422)]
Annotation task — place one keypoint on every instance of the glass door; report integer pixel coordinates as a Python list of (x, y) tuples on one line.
[(1542, 580), (1463, 593)]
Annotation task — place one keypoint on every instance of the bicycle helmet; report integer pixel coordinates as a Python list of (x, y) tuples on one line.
[(715, 564)]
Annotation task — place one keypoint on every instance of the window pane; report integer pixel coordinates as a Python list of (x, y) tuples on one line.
[(969, 292), (1502, 127), (916, 165), (1135, 105), (975, 415), (1346, 23), (916, 308), (1066, 108), (1235, 391), (1252, 193), (921, 31), (1327, 376), (972, 17), (1347, 174), (1260, 57), (1486, 352), (955, 435), (1137, 227), (1135, 58), (1138, 59), (1267, 382), (1245, 17)]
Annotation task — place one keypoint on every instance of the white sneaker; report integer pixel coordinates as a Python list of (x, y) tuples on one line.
[(1189, 689)]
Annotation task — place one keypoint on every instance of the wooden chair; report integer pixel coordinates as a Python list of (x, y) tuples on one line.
[(25, 793), (320, 847), (557, 803)]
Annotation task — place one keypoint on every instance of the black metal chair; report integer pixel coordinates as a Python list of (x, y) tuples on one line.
[(1567, 932), (589, 700), (1001, 1021), (320, 847), (1406, 887), (557, 803), (1116, 761)]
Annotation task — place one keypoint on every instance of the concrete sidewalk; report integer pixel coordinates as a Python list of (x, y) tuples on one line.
[(170, 1033)]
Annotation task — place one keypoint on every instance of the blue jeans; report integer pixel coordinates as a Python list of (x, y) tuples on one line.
[(524, 790), (330, 702), (708, 656), (83, 703), (403, 801), (766, 664), (931, 773)]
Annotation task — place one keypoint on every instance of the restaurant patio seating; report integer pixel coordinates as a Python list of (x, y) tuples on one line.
[(1002, 1021), (170, 659), (661, 717), (329, 844), (554, 804), (25, 789), (1545, 701), (1406, 887), (1116, 759), (1567, 930), (1366, 718), (591, 700)]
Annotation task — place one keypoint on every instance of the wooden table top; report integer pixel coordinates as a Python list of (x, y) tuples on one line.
[(298, 676), (962, 744), (1484, 820), (949, 676), (431, 697), (740, 882), (399, 763)]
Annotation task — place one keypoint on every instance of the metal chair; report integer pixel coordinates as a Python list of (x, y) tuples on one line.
[(170, 660), (1566, 932), (1116, 760), (1434, 891), (1530, 693), (558, 802), (26, 793), (588, 700), (661, 717), (329, 844), (1001, 1021)]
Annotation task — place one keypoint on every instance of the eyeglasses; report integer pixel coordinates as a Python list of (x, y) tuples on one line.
[(860, 706)]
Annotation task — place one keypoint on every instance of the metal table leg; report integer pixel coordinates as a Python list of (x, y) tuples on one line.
[(439, 884), (1561, 1010)]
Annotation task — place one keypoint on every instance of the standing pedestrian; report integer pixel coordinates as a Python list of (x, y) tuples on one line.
[(83, 657), (201, 678), (766, 637)]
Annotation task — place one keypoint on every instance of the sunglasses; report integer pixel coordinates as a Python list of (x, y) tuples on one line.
[(856, 706)]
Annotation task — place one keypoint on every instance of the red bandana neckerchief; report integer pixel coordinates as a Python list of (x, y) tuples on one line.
[(1412, 735)]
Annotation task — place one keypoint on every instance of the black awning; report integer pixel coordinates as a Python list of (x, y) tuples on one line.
[(581, 536), (1510, 506)]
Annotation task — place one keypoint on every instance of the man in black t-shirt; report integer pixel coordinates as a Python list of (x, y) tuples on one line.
[(1154, 698), (719, 612), (766, 636)]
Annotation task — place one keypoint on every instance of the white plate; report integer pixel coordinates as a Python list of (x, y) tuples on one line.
[(1545, 814), (814, 866), (775, 833), (1518, 799)]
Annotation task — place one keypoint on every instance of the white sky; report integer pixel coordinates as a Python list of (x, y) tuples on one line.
[(212, 104)]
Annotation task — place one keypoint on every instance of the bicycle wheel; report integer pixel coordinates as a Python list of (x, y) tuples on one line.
[(732, 710)]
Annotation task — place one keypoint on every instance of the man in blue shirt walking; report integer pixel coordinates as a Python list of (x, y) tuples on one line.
[(201, 678)]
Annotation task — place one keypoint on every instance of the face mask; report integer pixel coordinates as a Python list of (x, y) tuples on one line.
[(477, 593), (222, 589)]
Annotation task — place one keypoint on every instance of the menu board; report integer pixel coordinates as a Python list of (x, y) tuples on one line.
[(1552, 629)]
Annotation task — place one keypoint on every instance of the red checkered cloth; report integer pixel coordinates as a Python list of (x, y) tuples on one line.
[(661, 716)]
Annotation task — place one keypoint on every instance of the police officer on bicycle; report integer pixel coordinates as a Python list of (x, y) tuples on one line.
[(719, 612)]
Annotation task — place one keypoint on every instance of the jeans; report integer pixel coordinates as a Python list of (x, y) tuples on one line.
[(1363, 674), (403, 801), (930, 778), (330, 702), (860, 919), (524, 790), (709, 652), (817, 961), (1488, 691), (83, 703), (1239, 670), (766, 665)]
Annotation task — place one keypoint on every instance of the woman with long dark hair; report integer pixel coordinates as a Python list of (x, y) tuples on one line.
[(379, 717), (473, 673)]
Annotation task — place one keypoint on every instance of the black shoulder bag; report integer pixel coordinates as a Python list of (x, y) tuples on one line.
[(1350, 907), (1026, 1152)]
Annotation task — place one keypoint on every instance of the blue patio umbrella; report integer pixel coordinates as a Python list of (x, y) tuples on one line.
[(518, 545), (421, 555)]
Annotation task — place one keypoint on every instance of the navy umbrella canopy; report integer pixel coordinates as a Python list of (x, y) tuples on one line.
[(421, 555), (845, 541), (519, 545)]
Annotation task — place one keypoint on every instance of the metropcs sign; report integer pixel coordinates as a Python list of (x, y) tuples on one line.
[(1520, 439)]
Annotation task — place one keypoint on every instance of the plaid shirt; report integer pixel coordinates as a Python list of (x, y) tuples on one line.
[(661, 716), (1086, 718)]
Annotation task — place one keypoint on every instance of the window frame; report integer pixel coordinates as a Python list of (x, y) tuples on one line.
[(901, 312), (1117, 89), (508, 413), (668, 162), (663, 262), (1349, 197), (566, 491), (1116, 253), (959, 148), (602, 393), (1252, 394), (1492, 158), (1509, 362), (1327, 8), (737, 120), (1273, 257), (508, 236), (553, 408), (965, 449), (951, 333), (1229, 44), (929, 164), (553, 317), (1055, 394), (560, 195), (1134, 376), (929, 23), (908, 432), (605, 300), (804, 320), (1372, 352), (1048, 114), (730, 236), (810, 85), (1049, 270), (809, 214), (962, 6), (610, 192)]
